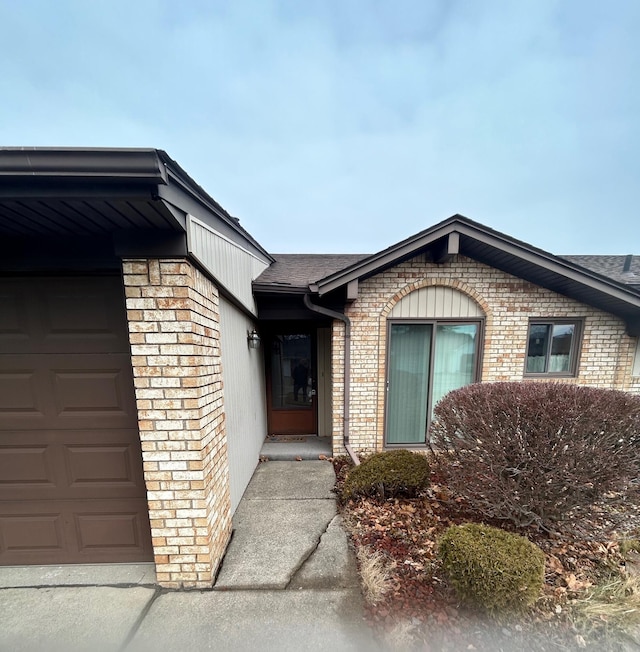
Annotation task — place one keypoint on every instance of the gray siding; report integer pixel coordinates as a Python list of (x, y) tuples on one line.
[(324, 382), (232, 266), (244, 398), (436, 301)]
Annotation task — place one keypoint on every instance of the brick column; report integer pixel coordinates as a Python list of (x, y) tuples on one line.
[(172, 311)]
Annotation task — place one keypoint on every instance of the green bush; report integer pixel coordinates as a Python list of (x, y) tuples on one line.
[(491, 569), (389, 474)]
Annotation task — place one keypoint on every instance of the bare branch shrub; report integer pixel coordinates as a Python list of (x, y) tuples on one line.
[(529, 452)]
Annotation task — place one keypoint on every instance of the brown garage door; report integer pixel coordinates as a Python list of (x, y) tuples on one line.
[(71, 485)]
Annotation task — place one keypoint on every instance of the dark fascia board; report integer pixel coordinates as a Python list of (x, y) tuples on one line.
[(385, 258), (466, 227), (277, 290), (179, 177), (77, 163)]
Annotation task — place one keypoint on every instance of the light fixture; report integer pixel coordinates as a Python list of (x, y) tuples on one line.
[(253, 339)]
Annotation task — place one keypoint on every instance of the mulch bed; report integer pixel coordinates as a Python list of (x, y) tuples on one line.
[(418, 610)]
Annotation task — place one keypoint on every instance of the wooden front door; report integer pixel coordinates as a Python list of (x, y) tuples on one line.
[(291, 382)]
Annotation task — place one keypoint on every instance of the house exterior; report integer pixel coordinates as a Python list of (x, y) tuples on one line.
[(133, 399)]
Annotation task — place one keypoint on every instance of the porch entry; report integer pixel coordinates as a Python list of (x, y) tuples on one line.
[(291, 366), (425, 361)]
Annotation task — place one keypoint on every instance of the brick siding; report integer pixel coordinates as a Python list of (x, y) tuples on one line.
[(172, 312), (508, 303)]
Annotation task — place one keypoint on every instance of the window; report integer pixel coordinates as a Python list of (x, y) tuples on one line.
[(552, 347), (636, 362), (426, 360)]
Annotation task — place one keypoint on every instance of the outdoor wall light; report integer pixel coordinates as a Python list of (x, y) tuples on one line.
[(253, 339)]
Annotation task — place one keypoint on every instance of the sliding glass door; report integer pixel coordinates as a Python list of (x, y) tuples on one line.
[(426, 361)]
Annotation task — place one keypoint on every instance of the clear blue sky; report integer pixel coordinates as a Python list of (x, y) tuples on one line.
[(347, 125)]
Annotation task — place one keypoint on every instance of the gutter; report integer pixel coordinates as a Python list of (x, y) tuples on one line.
[(347, 367)]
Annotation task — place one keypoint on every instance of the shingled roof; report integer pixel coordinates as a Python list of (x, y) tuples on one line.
[(297, 271), (623, 269)]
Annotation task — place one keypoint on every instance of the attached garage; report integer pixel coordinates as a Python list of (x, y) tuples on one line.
[(113, 439), (71, 480)]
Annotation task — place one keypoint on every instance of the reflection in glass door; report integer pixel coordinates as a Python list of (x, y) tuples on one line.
[(292, 405), (426, 361)]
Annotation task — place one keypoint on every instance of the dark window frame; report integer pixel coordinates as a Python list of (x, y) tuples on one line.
[(575, 352), (477, 371)]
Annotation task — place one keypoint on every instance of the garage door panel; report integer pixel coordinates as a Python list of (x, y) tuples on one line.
[(26, 466), (28, 536), (81, 313), (19, 394), (83, 390), (57, 315), (115, 467), (110, 529), (14, 322), (69, 532), (71, 481), (66, 391), (44, 465)]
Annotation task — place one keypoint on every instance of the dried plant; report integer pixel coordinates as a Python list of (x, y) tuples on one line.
[(375, 572)]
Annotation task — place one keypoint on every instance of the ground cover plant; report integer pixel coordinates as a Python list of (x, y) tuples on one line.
[(591, 592)]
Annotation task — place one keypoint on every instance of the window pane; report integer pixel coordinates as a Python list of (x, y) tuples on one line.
[(537, 351), (409, 354), (562, 339), (291, 371), (455, 358)]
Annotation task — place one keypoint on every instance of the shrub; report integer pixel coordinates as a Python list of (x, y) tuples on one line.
[(530, 452), (389, 474), (492, 569)]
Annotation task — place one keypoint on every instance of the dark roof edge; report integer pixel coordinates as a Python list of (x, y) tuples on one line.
[(147, 166), (272, 288), (467, 227), (199, 193), (78, 163)]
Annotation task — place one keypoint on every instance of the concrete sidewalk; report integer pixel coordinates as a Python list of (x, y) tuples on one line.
[(288, 582)]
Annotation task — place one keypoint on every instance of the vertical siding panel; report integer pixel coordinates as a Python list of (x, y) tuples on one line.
[(324, 382), (429, 304), (244, 398), (440, 312), (447, 301), (234, 267), (436, 302)]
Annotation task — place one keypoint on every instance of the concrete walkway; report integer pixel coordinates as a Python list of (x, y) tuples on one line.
[(288, 582), (296, 448)]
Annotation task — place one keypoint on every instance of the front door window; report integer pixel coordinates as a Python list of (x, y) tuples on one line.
[(291, 383), (291, 371), (426, 361)]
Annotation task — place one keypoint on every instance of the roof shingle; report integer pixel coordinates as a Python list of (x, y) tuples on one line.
[(298, 270)]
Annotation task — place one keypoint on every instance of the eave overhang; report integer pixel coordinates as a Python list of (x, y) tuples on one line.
[(458, 234), (92, 192)]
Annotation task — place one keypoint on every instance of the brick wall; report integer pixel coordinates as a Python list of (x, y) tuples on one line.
[(508, 303), (172, 311)]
